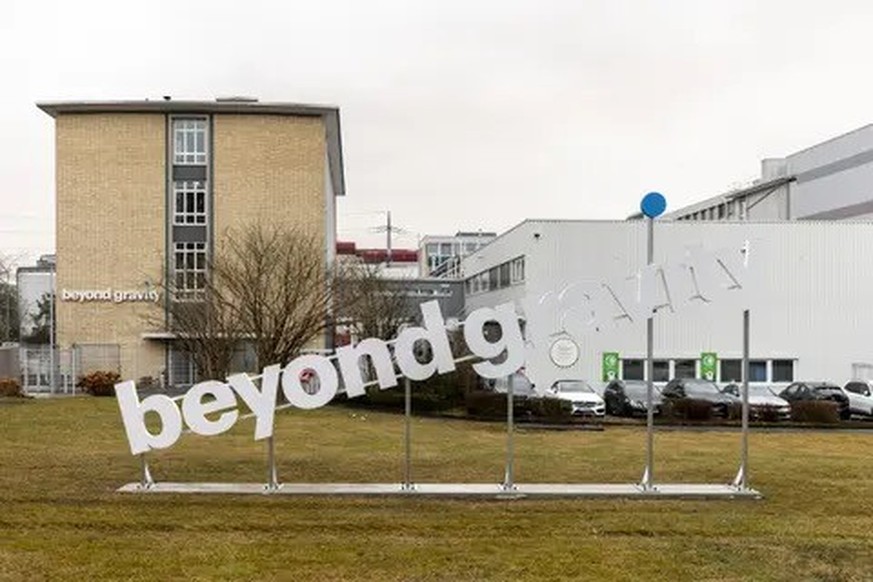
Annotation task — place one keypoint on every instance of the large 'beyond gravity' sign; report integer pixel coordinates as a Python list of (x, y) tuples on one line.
[(213, 397), (222, 396)]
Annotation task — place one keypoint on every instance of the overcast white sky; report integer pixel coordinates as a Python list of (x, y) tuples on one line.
[(459, 115)]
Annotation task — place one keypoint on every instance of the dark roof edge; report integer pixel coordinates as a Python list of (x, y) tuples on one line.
[(329, 113), (169, 106)]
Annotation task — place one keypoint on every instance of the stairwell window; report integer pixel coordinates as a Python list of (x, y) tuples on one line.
[(190, 205), (189, 141), (190, 271)]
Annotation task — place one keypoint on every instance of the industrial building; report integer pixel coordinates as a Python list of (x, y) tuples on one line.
[(441, 256), (827, 181), (806, 288)]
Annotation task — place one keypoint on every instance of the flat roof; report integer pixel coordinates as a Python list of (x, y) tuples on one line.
[(330, 114)]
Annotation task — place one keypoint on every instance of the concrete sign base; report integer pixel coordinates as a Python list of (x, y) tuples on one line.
[(493, 490)]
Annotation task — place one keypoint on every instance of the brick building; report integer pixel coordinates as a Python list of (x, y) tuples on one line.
[(145, 190)]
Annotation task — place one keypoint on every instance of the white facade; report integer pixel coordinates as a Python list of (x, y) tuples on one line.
[(441, 256), (832, 180), (808, 293)]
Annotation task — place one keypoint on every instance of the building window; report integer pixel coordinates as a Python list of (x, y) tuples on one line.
[(190, 270), (743, 209), (518, 270), (721, 211), (181, 370), (190, 202), (189, 141), (504, 275), (493, 278), (686, 369), (661, 371), (731, 370), (783, 370), (632, 370), (757, 371)]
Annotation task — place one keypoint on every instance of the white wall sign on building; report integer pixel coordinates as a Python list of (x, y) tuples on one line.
[(109, 295), (564, 352)]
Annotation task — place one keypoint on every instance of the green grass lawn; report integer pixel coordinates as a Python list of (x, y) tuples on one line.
[(61, 519)]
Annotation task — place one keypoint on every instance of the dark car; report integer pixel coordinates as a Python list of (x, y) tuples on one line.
[(628, 398), (806, 391), (695, 389)]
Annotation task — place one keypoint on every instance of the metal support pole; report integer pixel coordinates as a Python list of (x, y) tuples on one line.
[(508, 477), (52, 340), (407, 435), (650, 371), (272, 474), (146, 482), (742, 479)]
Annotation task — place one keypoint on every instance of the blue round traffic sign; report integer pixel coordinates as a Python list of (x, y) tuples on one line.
[(653, 204)]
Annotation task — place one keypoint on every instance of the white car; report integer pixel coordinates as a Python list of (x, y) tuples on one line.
[(860, 393), (585, 401)]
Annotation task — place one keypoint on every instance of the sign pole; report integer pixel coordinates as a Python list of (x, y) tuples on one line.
[(407, 465), (652, 206), (508, 478), (272, 474), (650, 370), (742, 479), (147, 482)]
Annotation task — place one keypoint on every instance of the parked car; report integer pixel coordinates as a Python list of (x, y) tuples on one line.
[(760, 399), (696, 389), (860, 393), (585, 401), (628, 398), (521, 385), (806, 391)]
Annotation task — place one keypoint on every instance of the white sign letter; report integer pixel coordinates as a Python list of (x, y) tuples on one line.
[(434, 333), (349, 358), (263, 402), (510, 340), (327, 381), (133, 415), (195, 410)]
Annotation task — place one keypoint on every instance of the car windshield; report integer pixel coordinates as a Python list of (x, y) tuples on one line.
[(521, 385), (760, 391), (701, 387), (637, 391), (573, 386)]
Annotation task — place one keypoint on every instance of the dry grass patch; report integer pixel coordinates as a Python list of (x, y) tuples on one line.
[(61, 461)]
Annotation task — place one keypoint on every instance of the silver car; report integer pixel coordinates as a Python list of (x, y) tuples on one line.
[(761, 398)]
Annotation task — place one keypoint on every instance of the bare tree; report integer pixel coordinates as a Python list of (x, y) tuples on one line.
[(207, 328), (370, 305), (280, 285), (267, 286)]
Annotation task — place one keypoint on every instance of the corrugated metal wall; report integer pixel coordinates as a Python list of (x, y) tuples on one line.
[(811, 299)]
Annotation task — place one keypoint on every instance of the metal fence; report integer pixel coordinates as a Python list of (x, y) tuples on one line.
[(9, 367), (44, 370)]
